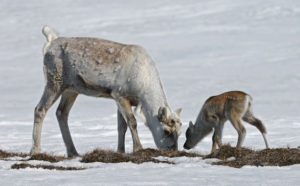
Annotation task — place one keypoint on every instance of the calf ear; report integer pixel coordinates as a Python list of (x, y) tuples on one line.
[(178, 111), (162, 114), (190, 124)]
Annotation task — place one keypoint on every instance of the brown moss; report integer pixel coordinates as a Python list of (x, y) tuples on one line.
[(49, 167), (114, 157), (154, 153), (47, 157), (5, 154), (226, 151), (267, 157)]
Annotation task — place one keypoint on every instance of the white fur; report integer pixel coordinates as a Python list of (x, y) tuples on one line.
[(50, 35)]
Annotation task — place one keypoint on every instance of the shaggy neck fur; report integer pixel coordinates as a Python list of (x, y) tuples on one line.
[(150, 105)]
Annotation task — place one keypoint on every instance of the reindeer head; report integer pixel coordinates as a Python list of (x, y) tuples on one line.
[(190, 135), (170, 120), (195, 133), (171, 124)]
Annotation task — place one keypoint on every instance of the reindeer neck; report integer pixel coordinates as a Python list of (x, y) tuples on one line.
[(151, 102), (201, 126)]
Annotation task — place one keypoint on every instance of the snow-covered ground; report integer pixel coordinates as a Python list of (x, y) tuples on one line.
[(201, 48)]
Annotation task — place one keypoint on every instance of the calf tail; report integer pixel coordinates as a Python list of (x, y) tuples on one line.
[(249, 118), (50, 35)]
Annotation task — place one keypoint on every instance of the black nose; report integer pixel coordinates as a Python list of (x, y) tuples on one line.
[(185, 146)]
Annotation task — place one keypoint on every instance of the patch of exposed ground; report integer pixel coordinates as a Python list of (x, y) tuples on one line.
[(40, 166), (241, 157), (5, 154), (47, 157), (114, 157), (266, 157)]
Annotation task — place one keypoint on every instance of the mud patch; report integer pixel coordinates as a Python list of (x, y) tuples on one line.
[(40, 166)]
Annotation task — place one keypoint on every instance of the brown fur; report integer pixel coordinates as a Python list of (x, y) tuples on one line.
[(234, 106)]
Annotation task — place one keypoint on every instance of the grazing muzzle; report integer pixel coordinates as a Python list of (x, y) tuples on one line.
[(171, 124), (169, 141), (190, 135), (185, 146)]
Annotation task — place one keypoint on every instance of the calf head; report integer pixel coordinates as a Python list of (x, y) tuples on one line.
[(192, 136)]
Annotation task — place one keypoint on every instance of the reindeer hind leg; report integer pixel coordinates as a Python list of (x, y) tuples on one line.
[(238, 125), (62, 113), (48, 98)]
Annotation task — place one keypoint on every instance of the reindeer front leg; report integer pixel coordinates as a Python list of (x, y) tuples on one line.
[(62, 114), (217, 137), (127, 113)]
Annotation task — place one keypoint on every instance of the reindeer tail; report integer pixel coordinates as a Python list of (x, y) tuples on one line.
[(257, 123), (50, 35), (251, 119)]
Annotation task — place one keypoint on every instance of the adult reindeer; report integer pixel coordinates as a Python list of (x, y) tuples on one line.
[(101, 68)]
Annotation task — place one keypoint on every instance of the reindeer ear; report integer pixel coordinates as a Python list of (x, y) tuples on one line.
[(162, 114), (190, 124), (178, 111)]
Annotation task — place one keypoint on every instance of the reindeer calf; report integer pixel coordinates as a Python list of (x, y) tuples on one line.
[(234, 106)]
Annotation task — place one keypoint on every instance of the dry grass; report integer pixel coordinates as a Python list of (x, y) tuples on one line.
[(171, 154), (226, 151), (47, 157), (141, 156), (5, 154), (242, 157), (41, 156), (114, 157), (40, 166), (267, 157)]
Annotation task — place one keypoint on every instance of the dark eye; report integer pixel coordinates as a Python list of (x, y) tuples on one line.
[(172, 121)]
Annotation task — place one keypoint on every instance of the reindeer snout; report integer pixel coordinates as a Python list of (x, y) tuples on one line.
[(185, 146)]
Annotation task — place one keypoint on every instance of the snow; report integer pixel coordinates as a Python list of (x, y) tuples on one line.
[(201, 48)]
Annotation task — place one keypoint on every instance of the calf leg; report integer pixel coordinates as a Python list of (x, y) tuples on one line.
[(217, 137), (237, 124), (126, 110), (49, 97), (62, 113), (122, 128)]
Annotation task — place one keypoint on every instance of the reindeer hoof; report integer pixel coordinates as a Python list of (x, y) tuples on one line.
[(35, 150), (72, 154), (121, 151), (137, 148)]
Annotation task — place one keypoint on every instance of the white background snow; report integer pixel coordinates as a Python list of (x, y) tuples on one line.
[(200, 47)]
